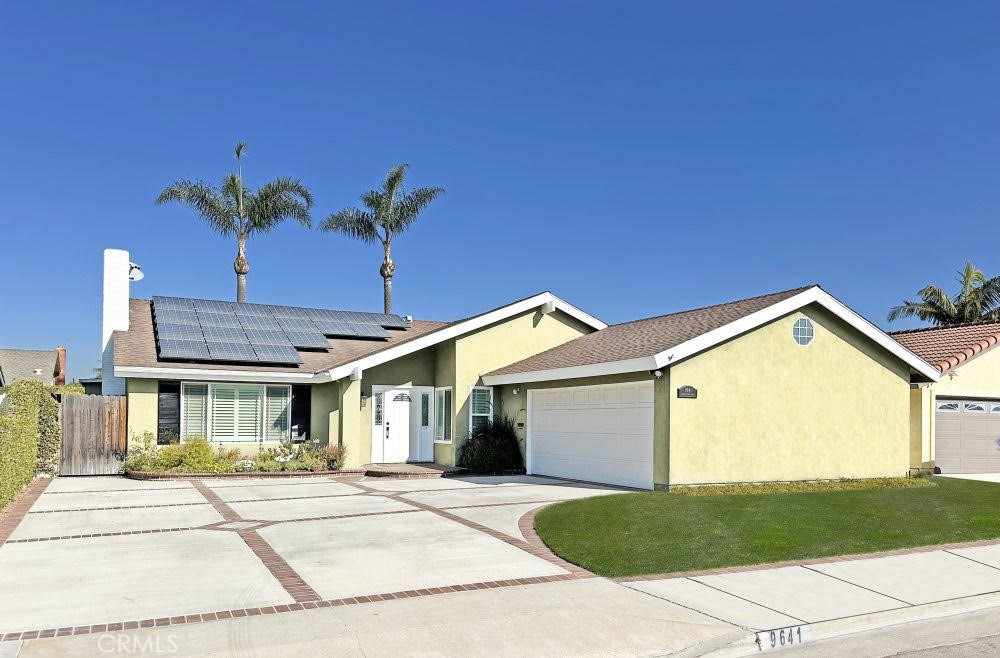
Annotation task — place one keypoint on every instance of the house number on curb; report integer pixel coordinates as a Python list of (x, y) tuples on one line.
[(689, 392), (783, 637)]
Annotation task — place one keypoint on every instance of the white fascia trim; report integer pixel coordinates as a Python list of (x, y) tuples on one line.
[(707, 340), (461, 328), (813, 295), (574, 372), (194, 374)]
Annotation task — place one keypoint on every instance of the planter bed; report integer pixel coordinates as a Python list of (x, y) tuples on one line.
[(168, 475)]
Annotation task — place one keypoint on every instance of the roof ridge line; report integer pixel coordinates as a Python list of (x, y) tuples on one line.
[(957, 325), (703, 308)]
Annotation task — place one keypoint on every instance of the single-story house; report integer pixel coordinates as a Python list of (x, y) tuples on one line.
[(786, 386), (957, 419), (46, 366)]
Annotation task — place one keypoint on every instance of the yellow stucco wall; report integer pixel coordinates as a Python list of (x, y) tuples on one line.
[(979, 377), (143, 406), (921, 427), (444, 376), (324, 412), (498, 345), (770, 409)]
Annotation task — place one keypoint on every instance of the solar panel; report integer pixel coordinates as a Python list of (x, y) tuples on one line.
[(214, 330), (370, 331), (276, 354), (258, 322), (213, 306), (224, 334), (171, 316), (218, 320), (173, 303), (183, 349), (267, 336), (179, 332), (231, 352), (307, 339)]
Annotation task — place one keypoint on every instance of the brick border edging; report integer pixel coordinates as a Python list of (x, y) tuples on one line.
[(221, 615), (253, 475), (12, 515), (806, 562)]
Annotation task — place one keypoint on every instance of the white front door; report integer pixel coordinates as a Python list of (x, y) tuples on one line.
[(396, 433)]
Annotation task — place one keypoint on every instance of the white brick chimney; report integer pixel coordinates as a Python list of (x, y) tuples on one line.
[(115, 316)]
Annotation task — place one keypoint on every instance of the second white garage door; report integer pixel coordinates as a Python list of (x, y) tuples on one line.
[(594, 433)]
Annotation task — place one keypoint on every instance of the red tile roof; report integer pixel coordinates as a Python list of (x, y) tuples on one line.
[(951, 346)]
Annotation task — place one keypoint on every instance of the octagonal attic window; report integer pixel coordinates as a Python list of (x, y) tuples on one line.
[(802, 331)]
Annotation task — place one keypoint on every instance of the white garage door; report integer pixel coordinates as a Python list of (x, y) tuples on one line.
[(967, 436), (594, 433)]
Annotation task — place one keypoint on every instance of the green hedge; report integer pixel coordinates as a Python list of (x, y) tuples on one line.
[(49, 434), (19, 420)]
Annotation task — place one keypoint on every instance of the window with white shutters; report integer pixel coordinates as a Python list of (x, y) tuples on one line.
[(194, 410), (236, 412), (480, 407), (279, 411)]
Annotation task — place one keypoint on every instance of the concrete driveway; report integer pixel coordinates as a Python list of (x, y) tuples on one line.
[(112, 555)]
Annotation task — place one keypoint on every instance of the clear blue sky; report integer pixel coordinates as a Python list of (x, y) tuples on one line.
[(635, 159)]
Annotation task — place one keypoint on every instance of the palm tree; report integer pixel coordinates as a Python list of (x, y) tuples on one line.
[(235, 210), (977, 301), (390, 210)]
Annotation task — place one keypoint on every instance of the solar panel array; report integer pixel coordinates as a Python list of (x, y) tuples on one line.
[(210, 330)]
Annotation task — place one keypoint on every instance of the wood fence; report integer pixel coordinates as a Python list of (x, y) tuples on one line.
[(93, 434)]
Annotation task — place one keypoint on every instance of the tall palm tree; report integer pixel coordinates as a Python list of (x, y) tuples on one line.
[(235, 210), (390, 210), (978, 300)]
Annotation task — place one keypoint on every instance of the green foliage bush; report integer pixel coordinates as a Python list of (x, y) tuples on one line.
[(19, 436), (493, 448), (197, 455), (49, 435), (761, 488)]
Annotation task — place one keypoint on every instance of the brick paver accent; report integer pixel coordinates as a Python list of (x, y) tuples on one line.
[(100, 534), (11, 516)]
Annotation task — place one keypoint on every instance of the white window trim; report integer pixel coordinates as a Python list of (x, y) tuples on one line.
[(958, 406), (965, 407), (812, 329), (447, 418), (261, 430), (489, 414)]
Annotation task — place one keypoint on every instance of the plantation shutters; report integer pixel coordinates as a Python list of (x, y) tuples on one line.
[(194, 411), (236, 412), (480, 407), (278, 413)]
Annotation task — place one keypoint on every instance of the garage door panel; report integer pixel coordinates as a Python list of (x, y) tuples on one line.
[(596, 433), (967, 440)]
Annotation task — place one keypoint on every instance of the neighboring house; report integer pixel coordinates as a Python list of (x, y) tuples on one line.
[(788, 386), (957, 419), (92, 385), (46, 366)]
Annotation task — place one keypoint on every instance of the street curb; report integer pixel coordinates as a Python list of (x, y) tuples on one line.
[(825, 630)]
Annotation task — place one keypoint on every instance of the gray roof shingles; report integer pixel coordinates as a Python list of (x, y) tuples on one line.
[(644, 338), (23, 364)]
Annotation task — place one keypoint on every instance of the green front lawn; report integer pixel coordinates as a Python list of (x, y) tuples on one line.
[(654, 532)]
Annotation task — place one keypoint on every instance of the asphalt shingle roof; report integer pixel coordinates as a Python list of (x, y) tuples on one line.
[(22, 364), (948, 347), (645, 338)]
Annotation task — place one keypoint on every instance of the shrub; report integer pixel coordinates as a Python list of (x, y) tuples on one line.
[(49, 434), (19, 416), (762, 488), (330, 458), (141, 454), (493, 448)]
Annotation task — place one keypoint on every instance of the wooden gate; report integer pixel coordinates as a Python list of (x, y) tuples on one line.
[(93, 434)]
